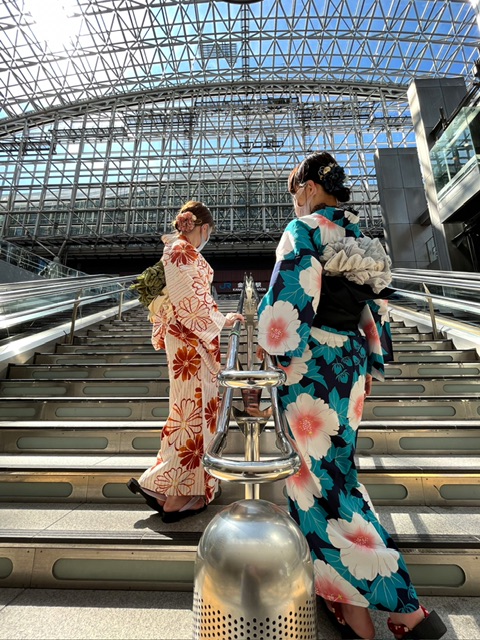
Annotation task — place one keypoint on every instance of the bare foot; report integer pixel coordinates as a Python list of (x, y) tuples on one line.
[(410, 620), (358, 618)]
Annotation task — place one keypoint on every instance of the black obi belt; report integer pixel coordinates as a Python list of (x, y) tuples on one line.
[(342, 302)]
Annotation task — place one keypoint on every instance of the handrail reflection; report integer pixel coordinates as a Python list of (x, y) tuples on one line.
[(249, 472)]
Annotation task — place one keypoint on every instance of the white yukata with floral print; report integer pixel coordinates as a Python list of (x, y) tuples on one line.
[(187, 324), (355, 559)]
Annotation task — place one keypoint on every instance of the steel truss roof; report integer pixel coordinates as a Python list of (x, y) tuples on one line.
[(119, 46), (232, 96)]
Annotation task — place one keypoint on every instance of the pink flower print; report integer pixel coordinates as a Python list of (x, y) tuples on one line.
[(304, 486), (370, 330), (362, 550), (176, 482), (278, 327), (373, 339), (330, 231), (313, 423), (330, 585), (356, 402), (298, 367)]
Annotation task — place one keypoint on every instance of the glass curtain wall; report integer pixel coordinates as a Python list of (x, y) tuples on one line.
[(124, 171)]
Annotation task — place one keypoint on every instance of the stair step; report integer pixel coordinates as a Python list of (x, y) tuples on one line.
[(438, 356), (92, 371), (117, 371), (424, 370), (127, 437), (409, 336), (84, 388), (418, 408), (129, 408), (129, 547), (423, 346), (392, 480), (127, 356), (146, 387)]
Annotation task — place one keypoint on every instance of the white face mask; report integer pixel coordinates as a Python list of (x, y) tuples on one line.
[(204, 242), (302, 209)]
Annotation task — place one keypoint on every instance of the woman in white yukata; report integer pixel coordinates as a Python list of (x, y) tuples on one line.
[(187, 324), (324, 317)]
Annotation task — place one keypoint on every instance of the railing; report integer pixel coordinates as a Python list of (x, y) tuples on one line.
[(24, 301), (251, 471), (24, 259), (440, 292)]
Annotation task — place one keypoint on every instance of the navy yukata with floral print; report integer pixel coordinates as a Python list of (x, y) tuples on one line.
[(355, 559)]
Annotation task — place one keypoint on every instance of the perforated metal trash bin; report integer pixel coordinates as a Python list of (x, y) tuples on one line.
[(254, 577)]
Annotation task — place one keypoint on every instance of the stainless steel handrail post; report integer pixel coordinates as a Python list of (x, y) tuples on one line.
[(249, 312), (432, 312), (250, 471), (252, 454), (74, 316), (252, 429), (120, 304)]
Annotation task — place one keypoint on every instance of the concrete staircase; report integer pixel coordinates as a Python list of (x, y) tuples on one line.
[(78, 423)]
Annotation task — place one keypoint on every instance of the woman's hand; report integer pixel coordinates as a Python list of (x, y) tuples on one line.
[(368, 385), (231, 318)]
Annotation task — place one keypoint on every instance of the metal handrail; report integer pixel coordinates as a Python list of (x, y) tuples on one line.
[(54, 288), (471, 285), (433, 273), (467, 305), (35, 285), (70, 286), (256, 471)]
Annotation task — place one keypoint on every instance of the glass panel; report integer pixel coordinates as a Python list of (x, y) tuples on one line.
[(457, 149)]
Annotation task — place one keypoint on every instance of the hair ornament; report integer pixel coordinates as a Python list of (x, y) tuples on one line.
[(323, 171), (332, 177), (185, 222)]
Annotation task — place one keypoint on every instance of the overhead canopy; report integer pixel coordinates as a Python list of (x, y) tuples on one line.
[(56, 52)]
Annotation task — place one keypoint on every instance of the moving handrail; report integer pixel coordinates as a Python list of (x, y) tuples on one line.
[(469, 285), (35, 285), (452, 303), (75, 290), (249, 472), (68, 286), (432, 274)]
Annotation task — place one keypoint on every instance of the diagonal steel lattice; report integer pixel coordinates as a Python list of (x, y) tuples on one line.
[(115, 111)]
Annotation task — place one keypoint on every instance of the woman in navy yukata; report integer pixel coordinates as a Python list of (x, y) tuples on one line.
[(325, 319)]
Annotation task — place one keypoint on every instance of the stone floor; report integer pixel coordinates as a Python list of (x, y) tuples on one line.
[(43, 614)]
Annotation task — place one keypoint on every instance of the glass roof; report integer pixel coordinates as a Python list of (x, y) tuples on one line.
[(56, 52)]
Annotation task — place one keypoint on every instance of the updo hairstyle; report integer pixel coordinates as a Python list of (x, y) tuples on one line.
[(192, 214), (323, 169)]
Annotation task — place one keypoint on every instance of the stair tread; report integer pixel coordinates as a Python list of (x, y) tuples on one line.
[(133, 463), (146, 425), (138, 524)]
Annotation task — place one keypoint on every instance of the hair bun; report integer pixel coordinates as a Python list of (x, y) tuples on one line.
[(185, 222)]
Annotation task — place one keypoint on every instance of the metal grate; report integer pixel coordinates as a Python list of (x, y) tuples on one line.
[(211, 623)]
